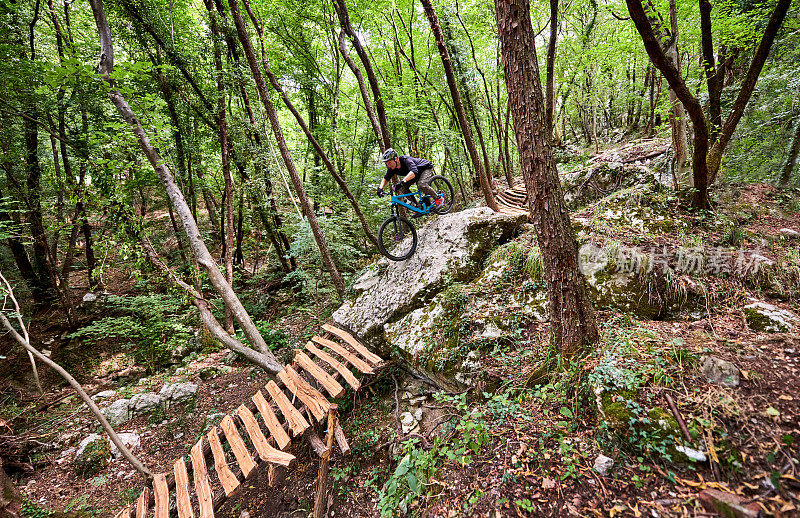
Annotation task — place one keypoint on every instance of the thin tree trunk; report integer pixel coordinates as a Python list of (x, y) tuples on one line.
[(344, 21), (791, 160), (302, 123), (228, 231), (572, 322), (244, 39), (550, 68), (199, 249), (466, 131), (373, 119), (24, 342)]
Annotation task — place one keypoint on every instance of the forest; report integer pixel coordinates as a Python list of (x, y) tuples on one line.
[(438, 258)]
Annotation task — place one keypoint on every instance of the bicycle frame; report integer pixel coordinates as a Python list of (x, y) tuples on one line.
[(397, 200)]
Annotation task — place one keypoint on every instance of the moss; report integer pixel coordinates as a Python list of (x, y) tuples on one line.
[(615, 409), (94, 459)]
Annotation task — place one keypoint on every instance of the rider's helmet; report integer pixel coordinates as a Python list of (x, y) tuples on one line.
[(389, 154)]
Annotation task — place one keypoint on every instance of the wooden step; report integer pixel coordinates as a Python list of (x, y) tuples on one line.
[(161, 491), (338, 366), (230, 484), (333, 387), (371, 357), (201, 485), (125, 513), (312, 398), (238, 447), (271, 420), (182, 490), (297, 423), (352, 359), (265, 451), (141, 503)]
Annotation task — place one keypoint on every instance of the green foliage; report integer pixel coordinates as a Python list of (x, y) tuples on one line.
[(94, 458), (31, 509), (411, 478), (150, 326)]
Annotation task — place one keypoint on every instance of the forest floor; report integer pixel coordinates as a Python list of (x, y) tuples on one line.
[(525, 448)]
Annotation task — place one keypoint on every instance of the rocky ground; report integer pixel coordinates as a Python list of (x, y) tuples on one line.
[(689, 403)]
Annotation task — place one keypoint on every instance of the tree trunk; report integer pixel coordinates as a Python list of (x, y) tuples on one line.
[(10, 499), (572, 322), (320, 152), (466, 131), (791, 160), (244, 39), (199, 249), (373, 119), (344, 21), (550, 71)]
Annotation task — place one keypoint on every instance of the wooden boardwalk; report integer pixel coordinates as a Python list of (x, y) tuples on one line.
[(260, 430)]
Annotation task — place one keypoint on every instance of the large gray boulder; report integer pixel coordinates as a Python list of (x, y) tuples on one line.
[(145, 403), (451, 249), (766, 318), (177, 392), (118, 412)]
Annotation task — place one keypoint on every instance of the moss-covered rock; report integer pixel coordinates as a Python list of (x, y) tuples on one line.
[(92, 456), (763, 317)]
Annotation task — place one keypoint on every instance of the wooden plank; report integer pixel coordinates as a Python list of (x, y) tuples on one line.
[(162, 496), (265, 451), (336, 364), (341, 440), (125, 513), (313, 399), (371, 357), (352, 359), (201, 484), (297, 423), (271, 420), (333, 387), (182, 490), (237, 445), (141, 503), (230, 484)]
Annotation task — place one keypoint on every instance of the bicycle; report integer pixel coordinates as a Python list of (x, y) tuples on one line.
[(398, 233)]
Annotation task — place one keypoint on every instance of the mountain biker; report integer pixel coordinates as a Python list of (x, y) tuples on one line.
[(411, 170)]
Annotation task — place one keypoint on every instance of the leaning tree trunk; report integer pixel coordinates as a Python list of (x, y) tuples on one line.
[(204, 258), (309, 135), (572, 321), (344, 20), (486, 187), (244, 39)]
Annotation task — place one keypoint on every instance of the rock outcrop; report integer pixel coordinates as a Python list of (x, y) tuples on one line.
[(451, 249)]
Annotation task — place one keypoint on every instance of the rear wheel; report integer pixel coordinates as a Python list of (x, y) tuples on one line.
[(442, 186), (397, 238)]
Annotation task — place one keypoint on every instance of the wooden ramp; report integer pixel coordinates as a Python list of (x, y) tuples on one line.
[(513, 201), (261, 430)]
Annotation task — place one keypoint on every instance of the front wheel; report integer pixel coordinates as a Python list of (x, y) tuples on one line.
[(397, 238), (442, 186)]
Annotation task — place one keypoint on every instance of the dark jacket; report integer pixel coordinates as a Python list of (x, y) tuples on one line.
[(408, 164)]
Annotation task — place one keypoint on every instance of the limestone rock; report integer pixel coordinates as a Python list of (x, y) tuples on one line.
[(104, 394), (789, 233), (603, 464), (131, 440), (763, 317), (118, 412), (145, 403), (92, 455), (720, 372), (89, 298), (177, 392), (451, 248), (408, 423), (695, 455)]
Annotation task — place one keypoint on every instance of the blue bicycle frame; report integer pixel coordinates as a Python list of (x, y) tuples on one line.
[(398, 200)]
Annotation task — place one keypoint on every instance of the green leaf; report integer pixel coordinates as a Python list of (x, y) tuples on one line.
[(566, 412)]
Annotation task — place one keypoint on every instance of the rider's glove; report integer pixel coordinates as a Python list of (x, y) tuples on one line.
[(399, 186), (380, 192)]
